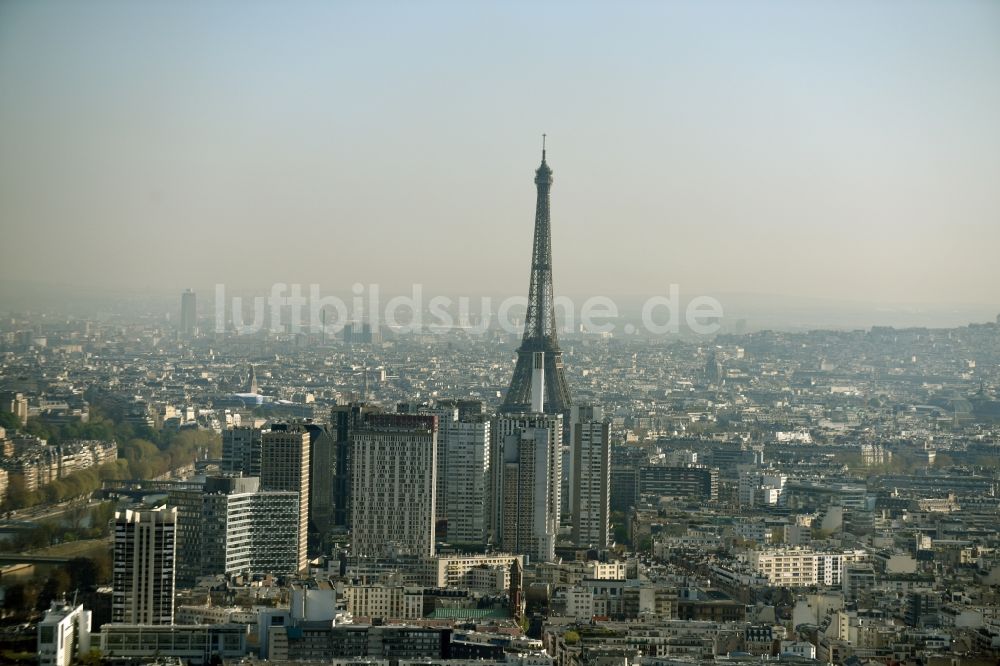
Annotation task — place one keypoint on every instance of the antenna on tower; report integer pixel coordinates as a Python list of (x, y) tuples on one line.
[(543, 147)]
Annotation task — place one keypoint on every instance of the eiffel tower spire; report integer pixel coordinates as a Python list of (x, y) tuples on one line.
[(540, 322)]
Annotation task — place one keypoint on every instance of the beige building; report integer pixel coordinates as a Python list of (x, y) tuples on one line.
[(799, 567), (393, 486), (394, 602), (460, 570)]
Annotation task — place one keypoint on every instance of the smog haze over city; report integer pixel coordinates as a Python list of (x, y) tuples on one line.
[(778, 156)]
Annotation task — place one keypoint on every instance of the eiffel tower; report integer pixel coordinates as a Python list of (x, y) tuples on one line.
[(540, 322)]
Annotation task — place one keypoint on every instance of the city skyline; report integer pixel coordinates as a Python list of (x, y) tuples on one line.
[(829, 152), (273, 388)]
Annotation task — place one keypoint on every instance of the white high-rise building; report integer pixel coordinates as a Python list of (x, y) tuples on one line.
[(500, 456), (578, 414), (446, 412), (284, 466), (394, 485), (591, 486), (464, 445), (143, 576), (528, 525)]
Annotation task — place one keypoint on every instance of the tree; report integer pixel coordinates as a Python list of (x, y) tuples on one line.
[(83, 573), (55, 587), (40, 430), (19, 598), (92, 658), (943, 460), (18, 495), (9, 420)]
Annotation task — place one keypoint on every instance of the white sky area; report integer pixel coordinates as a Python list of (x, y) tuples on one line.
[(811, 150)]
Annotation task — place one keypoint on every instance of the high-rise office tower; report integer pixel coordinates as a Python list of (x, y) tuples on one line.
[(540, 320), (591, 483), (578, 414), (284, 465), (230, 526), (189, 313), (519, 442), (463, 468), (143, 577), (446, 412), (393, 485), (323, 445), (187, 499), (344, 419), (713, 368), (246, 530), (526, 526), (322, 450), (241, 450)]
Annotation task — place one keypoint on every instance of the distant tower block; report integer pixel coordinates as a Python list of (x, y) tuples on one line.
[(540, 321), (189, 314)]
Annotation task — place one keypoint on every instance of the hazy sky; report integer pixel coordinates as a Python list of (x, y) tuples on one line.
[(818, 149)]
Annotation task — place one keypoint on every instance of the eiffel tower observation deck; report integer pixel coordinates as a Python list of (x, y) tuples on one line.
[(540, 344)]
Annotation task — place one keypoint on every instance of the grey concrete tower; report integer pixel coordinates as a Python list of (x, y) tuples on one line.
[(540, 322)]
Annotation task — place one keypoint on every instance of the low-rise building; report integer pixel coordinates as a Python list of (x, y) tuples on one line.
[(64, 633), (195, 644)]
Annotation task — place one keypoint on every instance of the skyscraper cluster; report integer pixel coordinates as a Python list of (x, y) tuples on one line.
[(388, 485)]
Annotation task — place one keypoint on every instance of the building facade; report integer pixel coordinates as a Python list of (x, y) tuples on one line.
[(240, 530), (241, 451), (284, 466), (591, 483), (528, 525), (393, 485), (143, 574), (63, 634), (504, 449), (463, 446), (799, 567)]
